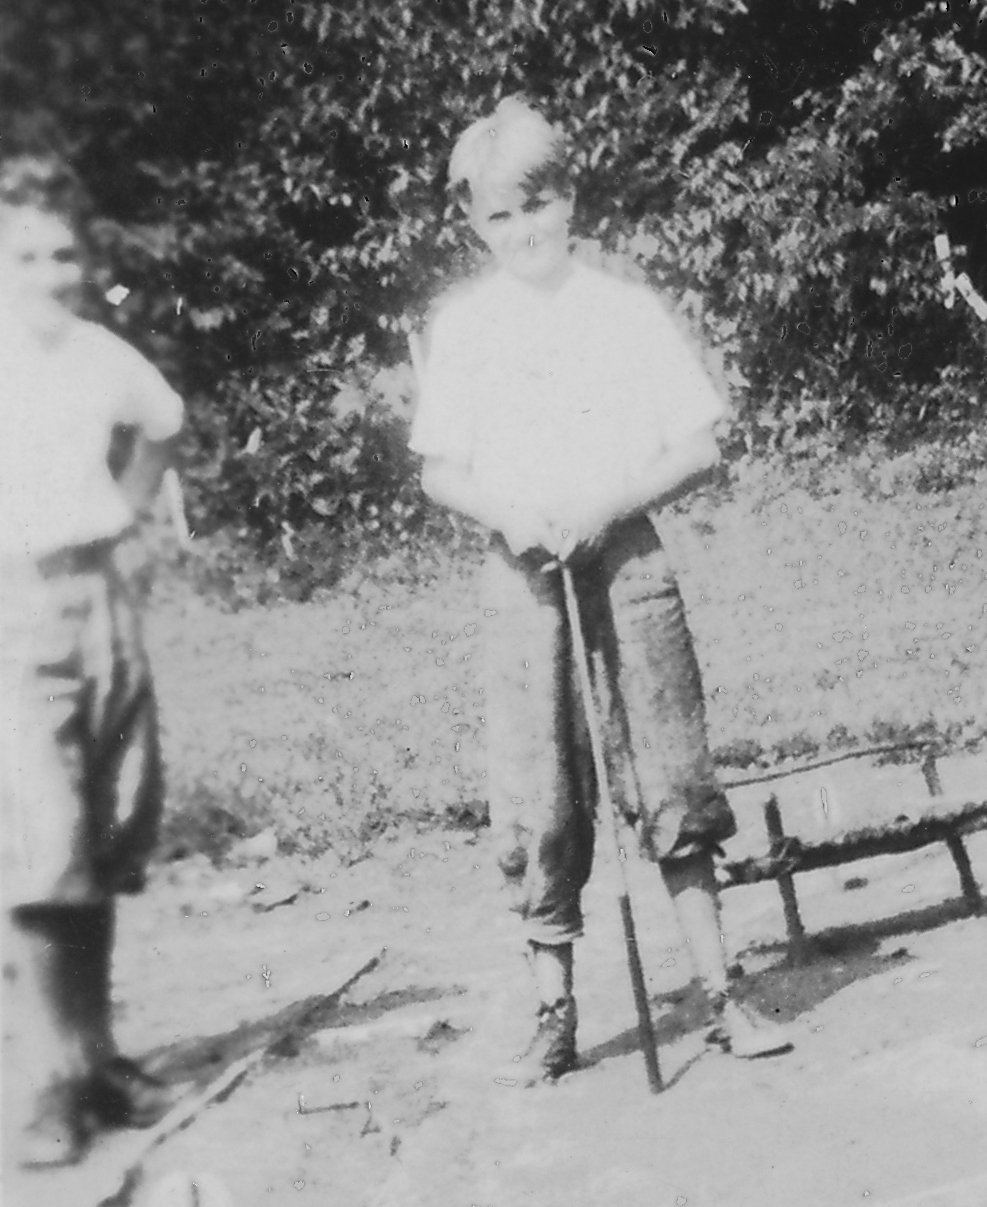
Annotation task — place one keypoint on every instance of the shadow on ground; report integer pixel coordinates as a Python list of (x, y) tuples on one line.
[(783, 990), (279, 1036)]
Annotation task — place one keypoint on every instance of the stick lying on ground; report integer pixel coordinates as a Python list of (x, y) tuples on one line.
[(113, 1171), (180, 1115), (128, 1165), (608, 821)]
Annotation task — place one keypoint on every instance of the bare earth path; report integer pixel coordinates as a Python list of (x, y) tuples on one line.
[(398, 1093), (392, 1100)]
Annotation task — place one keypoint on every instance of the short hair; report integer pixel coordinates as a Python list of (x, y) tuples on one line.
[(34, 196), (513, 145)]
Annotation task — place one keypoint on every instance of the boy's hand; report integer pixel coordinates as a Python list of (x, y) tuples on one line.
[(564, 542), (526, 532), (579, 531)]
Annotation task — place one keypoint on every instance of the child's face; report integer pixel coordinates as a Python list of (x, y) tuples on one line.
[(39, 258), (528, 233)]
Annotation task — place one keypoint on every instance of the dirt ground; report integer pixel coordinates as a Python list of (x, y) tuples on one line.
[(398, 1091), (365, 1014)]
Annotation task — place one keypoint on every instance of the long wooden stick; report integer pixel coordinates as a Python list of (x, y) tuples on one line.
[(608, 822)]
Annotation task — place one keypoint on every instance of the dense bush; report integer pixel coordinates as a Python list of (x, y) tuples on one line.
[(316, 478), (267, 180)]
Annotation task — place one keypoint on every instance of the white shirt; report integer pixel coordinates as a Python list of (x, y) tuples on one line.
[(546, 396), (59, 404)]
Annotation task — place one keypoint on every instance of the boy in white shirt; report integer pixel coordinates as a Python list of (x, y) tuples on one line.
[(558, 406), (80, 774)]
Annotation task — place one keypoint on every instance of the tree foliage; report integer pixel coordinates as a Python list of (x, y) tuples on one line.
[(268, 181)]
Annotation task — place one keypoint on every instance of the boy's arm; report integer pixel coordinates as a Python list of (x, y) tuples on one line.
[(140, 478), (453, 485), (672, 473)]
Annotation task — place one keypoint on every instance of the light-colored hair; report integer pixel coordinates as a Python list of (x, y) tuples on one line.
[(504, 147)]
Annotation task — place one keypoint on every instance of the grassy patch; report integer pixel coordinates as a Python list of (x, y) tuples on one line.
[(332, 720), (821, 620)]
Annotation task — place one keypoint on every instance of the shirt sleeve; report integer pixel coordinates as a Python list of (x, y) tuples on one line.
[(689, 400), (442, 426), (142, 397)]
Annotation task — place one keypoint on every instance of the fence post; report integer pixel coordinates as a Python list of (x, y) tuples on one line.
[(786, 884), (954, 842)]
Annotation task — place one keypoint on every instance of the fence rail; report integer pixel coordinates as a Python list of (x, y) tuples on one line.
[(936, 818)]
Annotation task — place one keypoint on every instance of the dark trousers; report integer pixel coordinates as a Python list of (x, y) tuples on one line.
[(648, 693)]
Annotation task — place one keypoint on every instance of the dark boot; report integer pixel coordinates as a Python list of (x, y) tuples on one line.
[(73, 1081), (744, 1033), (118, 1093), (45, 1059), (552, 1049)]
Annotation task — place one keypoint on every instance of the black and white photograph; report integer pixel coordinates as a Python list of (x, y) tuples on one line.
[(493, 514)]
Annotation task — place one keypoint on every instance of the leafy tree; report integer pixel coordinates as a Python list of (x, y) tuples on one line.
[(268, 181)]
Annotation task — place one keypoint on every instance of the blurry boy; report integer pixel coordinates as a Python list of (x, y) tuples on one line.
[(558, 405), (80, 773)]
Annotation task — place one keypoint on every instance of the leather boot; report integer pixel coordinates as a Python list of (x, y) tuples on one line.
[(741, 1031), (551, 1051), (71, 1079)]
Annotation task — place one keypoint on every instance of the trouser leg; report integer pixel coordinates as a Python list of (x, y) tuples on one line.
[(57, 1024), (78, 707), (552, 1049), (552, 968), (542, 797), (684, 812), (541, 794), (692, 886), (74, 968), (66, 1077), (682, 805)]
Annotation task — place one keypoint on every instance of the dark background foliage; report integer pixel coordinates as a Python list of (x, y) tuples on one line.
[(267, 179)]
